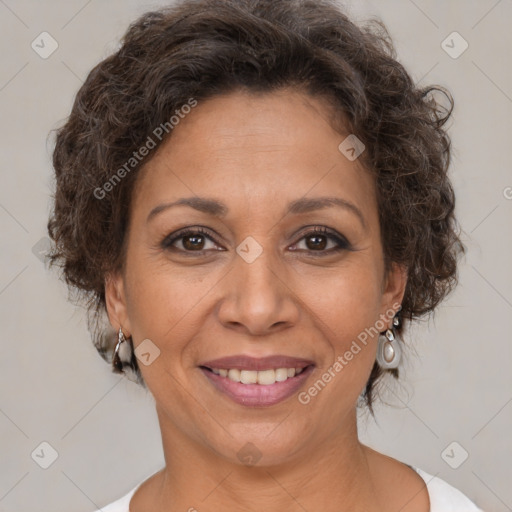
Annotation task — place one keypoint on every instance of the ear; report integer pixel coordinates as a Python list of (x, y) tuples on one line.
[(115, 299), (393, 290)]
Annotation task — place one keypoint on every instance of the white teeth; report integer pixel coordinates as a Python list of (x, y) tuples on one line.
[(248, 377), (263, 377), (266, 377), (281, 374), (234, 375)]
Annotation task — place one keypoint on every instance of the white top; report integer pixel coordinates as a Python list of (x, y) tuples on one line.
[(443, 497)]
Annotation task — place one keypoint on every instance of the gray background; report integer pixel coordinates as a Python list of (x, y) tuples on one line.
[(457, 382)]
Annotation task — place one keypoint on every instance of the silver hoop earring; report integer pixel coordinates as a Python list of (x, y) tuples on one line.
[(389, 350), (123, 353)]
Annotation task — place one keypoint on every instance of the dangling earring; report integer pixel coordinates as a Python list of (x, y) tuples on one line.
[(389, 350), (122, 353)]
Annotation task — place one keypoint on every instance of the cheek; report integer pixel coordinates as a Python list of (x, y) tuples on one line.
[(161, 308), (348, 298), (346, 308), (160, 303)]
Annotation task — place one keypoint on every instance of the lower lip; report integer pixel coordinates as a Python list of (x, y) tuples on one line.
[(258, 395)]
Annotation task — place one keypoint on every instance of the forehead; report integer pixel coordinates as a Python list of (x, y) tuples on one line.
[(255, 151)]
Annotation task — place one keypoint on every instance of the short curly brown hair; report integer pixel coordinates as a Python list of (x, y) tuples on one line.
[(202, 48)]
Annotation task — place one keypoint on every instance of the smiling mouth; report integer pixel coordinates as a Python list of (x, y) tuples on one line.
[(258, 388), (261, 377), (257, 381)]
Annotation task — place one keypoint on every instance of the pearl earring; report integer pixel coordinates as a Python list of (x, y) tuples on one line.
[(123, 353), (389, 350)]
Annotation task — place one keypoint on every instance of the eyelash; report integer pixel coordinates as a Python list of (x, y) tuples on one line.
[(343, 243)]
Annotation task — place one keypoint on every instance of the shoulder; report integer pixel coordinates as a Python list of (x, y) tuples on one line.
[(444, 497), (123, 503), (120, 505), (415, 487)]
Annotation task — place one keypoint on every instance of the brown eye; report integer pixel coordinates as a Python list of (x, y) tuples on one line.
[(191, 240), (318, 240)]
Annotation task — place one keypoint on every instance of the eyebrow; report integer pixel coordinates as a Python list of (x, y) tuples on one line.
[(218, 209)]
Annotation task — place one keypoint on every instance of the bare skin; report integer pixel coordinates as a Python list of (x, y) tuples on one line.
[(200, 301)]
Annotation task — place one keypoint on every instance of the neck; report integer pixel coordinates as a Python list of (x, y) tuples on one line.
[(332, 476)]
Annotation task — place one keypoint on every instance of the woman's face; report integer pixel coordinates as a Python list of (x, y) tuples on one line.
[(256, 281)]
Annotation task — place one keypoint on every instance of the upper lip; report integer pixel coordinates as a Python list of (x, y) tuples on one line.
[(243, 362)]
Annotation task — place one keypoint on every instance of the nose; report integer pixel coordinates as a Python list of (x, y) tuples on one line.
[(258, 297)]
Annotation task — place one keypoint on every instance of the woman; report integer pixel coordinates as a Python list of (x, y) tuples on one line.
[(256, 194)]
